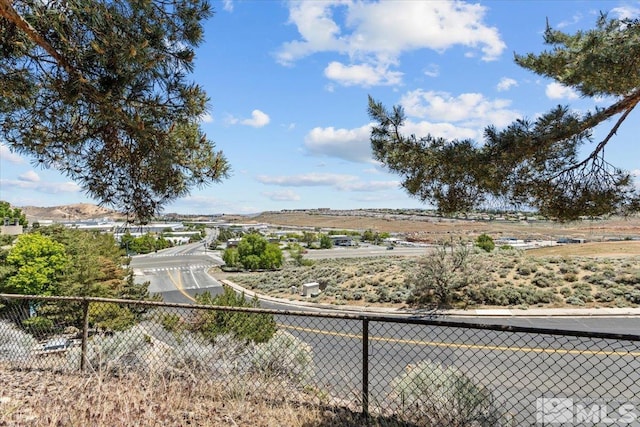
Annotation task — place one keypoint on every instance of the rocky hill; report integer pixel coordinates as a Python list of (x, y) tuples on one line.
[(79, 211)]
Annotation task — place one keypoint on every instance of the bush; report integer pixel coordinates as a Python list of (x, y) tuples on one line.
[(284, 356), (15, 344), (432, 394), (485, 242)]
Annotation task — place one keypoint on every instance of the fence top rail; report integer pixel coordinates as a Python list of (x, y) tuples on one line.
[(335, 315)]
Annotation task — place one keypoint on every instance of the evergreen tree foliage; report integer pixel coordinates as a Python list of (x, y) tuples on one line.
[(98, 89), (532, 163), (256, 327)]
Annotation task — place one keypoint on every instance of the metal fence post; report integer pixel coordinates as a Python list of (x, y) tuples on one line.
[(85, 334), (365, 367)]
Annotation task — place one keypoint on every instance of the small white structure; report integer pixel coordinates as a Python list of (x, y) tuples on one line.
[(310, 289)]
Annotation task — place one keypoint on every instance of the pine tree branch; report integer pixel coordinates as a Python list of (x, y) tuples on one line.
[(8, 12)]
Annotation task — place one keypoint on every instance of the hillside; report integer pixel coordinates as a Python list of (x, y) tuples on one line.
[(78, 211)]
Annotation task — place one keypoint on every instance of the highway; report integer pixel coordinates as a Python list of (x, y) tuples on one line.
[(518, 367)]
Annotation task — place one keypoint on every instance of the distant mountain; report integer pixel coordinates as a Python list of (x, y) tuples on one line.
[(75, 212)]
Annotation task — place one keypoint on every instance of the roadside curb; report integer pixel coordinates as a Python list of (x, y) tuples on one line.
[(503, 313)]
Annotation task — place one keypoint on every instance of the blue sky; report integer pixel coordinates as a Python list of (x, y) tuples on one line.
[(289, 81)]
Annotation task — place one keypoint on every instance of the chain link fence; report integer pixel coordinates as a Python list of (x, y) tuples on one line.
[(424, 372)]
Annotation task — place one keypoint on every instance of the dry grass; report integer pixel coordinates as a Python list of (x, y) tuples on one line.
[(45, 398), (594, 249)]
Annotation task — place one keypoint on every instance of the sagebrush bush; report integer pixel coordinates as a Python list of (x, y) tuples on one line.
[(284, 356), (15, 344), (433, 394)]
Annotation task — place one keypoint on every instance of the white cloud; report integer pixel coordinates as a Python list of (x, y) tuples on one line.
[(556, 90), (340, 182), (374, 35), (258, 119), (575, 19), (282, 196), (442, 130), (626, 12), (9, 156), (347, 144), (432, 70), (29, 176), (470, 110), (368, 186), (363, 75), (41, 186), (506, 83), (307, 180), (206, 118), (227, 5)]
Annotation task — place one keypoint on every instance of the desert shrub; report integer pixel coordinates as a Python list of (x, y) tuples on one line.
[(570, 277), (598, 279), (565, 292), (604, 296), (523, 270), (123, 351), (582, 287), (629, 277), (284, 356), (565, 268), (591, 266), (543, 280), (15, 344), (441, 275), (633, 296), (433, 394), (574, 300)]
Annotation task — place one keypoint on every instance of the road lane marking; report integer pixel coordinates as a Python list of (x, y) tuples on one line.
[(469, 346), (179, 287)]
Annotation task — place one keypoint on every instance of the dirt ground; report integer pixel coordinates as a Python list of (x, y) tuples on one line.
[(434, 229)]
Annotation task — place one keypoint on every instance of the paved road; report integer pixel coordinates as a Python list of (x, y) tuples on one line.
[(178, 273)]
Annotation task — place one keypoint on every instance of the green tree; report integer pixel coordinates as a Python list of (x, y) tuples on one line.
[(39, 264), (272, 257), (485, 242), (98, 89), (231, 257), (532, 163), (368, 236), (225, 234), (251, 244), (12, 213), (308, 238), (325, 242)]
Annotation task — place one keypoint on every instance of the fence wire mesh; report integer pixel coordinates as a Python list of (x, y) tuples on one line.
[(420, 372)]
